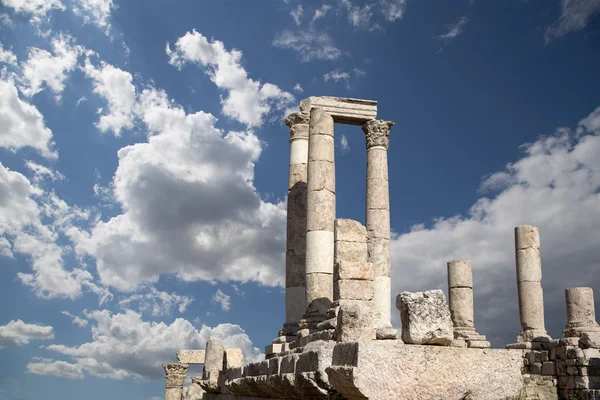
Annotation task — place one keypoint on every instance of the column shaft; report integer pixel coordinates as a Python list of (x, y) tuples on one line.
[(460, 292), (529, 281), (378, 217), (581, 313), (320, 207), (295, 262)]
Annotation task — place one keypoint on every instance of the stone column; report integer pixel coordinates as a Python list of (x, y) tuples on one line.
[(460, 293), (378, 219), (213, 365), (529, 281), (320, 217), (174, 377), (581, 313), (295, 260)]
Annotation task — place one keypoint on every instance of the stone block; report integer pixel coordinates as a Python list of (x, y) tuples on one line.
[(350, 251), (320, 210), (378, 194), (274, 365), (590, 339), (575, 352), (273, 348), (379, 255), (570, 341), (535, 368), (458, 343), (425, 318), (548, 368), (319, 252), (320, 286), (350, 230), (530, 265), (193, 392), (353, 290), (378, 224), (348, 270), (297, 178), (233, 358), (321, 176), (288, 364), (321, 148), (391, 370), (386, 333), (526, 236), (320, 123), (342, 110), (478, 344), (460, 274), (355, 322), (190, 356)]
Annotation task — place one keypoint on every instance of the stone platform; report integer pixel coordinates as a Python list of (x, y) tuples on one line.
[(378, 370)]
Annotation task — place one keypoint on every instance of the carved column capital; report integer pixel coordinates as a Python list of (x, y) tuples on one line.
[(175, 375), (298, 123), (377, 132)]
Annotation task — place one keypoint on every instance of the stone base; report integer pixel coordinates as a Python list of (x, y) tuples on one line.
[(533, 336), (386, 333)]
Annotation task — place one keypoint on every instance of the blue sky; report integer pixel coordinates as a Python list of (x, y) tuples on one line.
[(144, 166)]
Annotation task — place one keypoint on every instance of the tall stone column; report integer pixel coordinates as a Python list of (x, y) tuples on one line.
[(581, 313), (320, 217), (460, 292), (174, 377), (378, 221), (295, 260), (529, 281)]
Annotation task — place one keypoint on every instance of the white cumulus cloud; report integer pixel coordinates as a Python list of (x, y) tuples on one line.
[(96, 12), (156, 302), (19, 333), (223, 300), (247, 100)]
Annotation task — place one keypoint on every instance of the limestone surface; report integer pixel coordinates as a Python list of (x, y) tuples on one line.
[(425, 318), (190, 356), (233, 358), (343, 110), (355, 322), (390, 370)]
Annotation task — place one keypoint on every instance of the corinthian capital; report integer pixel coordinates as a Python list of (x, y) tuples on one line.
[(175, 374), (376, 132), (298, 123)]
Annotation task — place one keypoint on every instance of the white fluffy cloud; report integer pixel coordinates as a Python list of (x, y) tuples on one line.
[(124, 345), (309, 44), (189, 206), (96, 12), (75, 319), (21, 124), (223, 300), (116, 87), (554, 186), (23, 209), (60, 369), (18, 333), (247, 101), (7, 56), (37, 9), (156, 302), (42, 67), (574, 16)]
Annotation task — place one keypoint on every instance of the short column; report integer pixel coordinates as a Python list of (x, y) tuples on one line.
[(320, 204), (174, 378), (460, 293), (213, 365), (378, 219), (529, 281), (295, 261), (581, 313)]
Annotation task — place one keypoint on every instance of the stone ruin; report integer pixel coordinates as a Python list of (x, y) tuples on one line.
[(337, 341)]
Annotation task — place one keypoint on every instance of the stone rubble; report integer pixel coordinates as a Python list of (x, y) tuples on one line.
[(425, 318)]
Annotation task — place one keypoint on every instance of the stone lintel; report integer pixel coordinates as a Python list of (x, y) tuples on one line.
[(343, 110), (191, 356)]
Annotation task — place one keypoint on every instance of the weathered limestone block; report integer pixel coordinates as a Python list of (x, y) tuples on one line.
[(391, 370), (190, 356), (343, 110), (347, 270), (353, 290), (350, 230), (320, 286), (355, 252), (233, 358), (193, 392), (379, 196), (323, 149), (355, 322), (425, 318), (378, 223), (379, 255), (581, 313), (213, 365), (320, 210)]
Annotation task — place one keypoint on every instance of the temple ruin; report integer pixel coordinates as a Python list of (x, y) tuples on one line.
[(337, 341)]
